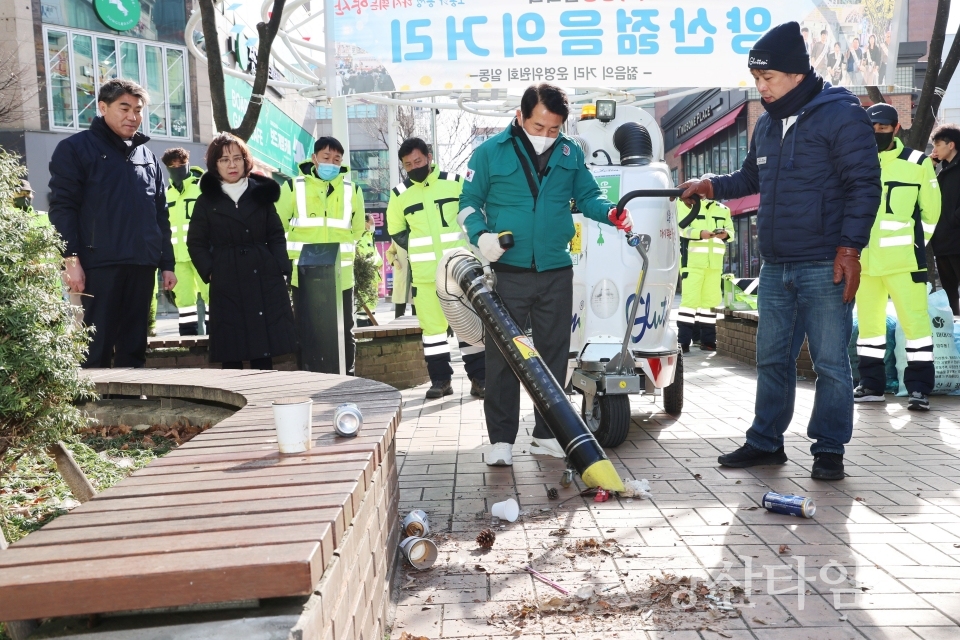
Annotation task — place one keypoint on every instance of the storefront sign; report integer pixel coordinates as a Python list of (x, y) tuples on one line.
[(119, 15), (474, 44), (277, 140), (701, 116)]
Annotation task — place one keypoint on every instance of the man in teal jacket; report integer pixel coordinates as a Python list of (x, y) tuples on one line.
[(522, 180)]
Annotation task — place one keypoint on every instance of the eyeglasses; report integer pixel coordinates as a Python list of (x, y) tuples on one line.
[(228, 161)]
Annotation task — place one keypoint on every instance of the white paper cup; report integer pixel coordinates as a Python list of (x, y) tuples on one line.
[(419, 552), (292, 417), (507, 510), (416, 523)]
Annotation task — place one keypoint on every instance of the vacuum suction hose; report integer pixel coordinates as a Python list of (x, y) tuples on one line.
[(460, 314), (633, 142), (583, 452)]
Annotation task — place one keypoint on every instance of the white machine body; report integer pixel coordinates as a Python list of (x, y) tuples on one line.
[(606, 269)]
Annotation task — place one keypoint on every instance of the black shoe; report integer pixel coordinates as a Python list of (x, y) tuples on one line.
[(747, 456), (918, 402), (827, 466), (439, 389), (685, 348), (862, 394), (708, 347), (477, 388)]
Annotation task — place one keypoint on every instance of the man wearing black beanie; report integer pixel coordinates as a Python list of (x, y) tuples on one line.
[(813, 160)]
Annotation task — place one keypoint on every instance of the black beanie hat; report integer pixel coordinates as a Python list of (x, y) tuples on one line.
[(781, 49)]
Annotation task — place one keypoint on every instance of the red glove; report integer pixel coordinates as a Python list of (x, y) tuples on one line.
[(702, 188), (622, 221), (846, 269)]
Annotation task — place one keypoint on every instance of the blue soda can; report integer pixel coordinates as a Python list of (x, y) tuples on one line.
[(789, 505)]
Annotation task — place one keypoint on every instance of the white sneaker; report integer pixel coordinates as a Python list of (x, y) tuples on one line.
[(547, 447), (500, 455)]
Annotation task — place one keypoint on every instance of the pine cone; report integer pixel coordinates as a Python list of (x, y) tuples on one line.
[(486, 538), (552, 493)]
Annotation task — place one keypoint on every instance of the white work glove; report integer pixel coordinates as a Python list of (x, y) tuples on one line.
[(489, 245)]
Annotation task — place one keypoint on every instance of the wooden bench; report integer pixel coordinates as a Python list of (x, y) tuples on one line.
[(225, 517)]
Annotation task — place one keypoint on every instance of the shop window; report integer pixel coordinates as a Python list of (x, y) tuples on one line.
[(79, 63), (371, 171), (161, 20)]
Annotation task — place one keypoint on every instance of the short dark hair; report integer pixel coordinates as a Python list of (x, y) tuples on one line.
[(113, 90), (177, 154), (327, 142), (217, 147), (369, 217), (804, 29), (552, 97), (410, 145), (948, 133), (824, 32)]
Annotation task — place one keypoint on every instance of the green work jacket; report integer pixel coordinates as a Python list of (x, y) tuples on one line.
[(180, 207), (422, 218), (497, 197), (909, 211), (709, 253)]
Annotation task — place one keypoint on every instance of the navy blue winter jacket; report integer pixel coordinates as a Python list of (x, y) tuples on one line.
[(108, 201), (819, 185)]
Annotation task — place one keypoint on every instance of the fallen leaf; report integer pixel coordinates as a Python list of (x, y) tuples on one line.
[(759, 620), (738, 482), (408, 636), (784, 549), (752, 508), (724, 524), (698, 476), (428, 600), (858, 499)]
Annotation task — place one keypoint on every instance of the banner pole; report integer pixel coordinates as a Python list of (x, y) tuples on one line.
[(330, 49)]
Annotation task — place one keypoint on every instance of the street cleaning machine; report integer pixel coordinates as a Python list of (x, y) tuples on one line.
[(621, 340)]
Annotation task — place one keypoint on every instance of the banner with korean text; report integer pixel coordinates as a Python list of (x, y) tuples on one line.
[(415, 45)]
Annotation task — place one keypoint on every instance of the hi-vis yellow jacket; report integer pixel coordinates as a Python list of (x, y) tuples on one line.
[(909, 211), (706, 254), (180, 207), (427, 211), (314, 211)]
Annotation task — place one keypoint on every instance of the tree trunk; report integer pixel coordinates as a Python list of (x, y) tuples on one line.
[(72, 473), (211, 40), (218, 98)]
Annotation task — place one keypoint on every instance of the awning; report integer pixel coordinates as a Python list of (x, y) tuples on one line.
[(744, 205), (710, 131)]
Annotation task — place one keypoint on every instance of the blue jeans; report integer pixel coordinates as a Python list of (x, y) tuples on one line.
[(794, 300)]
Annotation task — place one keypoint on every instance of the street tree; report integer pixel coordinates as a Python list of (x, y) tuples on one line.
[(939, 73), (14, 95), (267, 32)]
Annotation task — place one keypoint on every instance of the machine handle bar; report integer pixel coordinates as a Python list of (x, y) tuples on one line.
[(650, 193)]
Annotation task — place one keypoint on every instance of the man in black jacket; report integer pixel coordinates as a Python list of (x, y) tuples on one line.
[(946, 237), (107, 201)]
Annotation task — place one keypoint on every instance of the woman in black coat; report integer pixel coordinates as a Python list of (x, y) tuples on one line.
[(237, 244)]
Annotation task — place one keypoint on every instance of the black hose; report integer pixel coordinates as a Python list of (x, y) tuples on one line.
[(633, 142), (662, 193)]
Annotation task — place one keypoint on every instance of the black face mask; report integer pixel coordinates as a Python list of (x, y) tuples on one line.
[(178, 174), (883, 140), (419, 174), (23, 203)]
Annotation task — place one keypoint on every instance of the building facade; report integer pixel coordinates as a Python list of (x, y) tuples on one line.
[(64, 50)]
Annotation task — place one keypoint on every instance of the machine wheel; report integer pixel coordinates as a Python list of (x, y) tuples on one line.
[(673, 394), (608, 419)]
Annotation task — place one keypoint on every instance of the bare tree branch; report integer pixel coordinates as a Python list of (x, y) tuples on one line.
[(13, 97), (935, 81), (267, 33)]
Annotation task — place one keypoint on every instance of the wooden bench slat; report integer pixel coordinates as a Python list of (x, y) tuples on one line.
[(193, 577), (172, 544), (123, 491)]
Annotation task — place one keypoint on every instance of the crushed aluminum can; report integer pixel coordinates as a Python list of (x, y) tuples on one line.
[(789, 505), (602, 495), (416, 523)]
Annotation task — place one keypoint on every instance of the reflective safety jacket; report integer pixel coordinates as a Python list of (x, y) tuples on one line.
[(367, 248), (39, 219), (909, 211), (315, 211), (422, 218), (706, 254), (180, 206)]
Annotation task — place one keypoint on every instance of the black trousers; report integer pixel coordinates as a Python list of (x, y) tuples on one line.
[(949, 269), (117, 304), (349, 342), (547, 298)]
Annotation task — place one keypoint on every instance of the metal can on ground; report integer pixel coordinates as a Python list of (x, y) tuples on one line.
[(416, 523), (789, 505)]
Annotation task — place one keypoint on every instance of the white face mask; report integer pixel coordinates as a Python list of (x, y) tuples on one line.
[(540, 143)]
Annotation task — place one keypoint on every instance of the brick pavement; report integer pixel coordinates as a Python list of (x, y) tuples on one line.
[(884, 545)]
